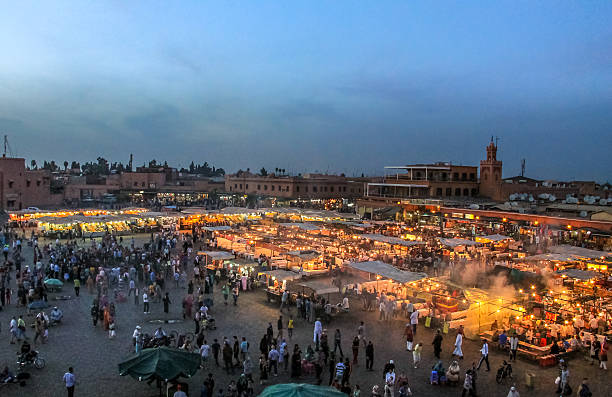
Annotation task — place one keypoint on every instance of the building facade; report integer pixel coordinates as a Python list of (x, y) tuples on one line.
[(438, 180), (307, 186), (22, 188)]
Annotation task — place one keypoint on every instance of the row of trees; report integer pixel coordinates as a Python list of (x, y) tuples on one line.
[(103, 167)]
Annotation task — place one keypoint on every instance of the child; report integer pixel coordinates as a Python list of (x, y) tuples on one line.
[(416, 354)]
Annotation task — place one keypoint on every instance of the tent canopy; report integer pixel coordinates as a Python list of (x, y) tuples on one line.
[(217, 255), (281, 275), (319, 286), (216, 228), (578, 274), (307, 255), (300, 225), (456, 242), (492, 237), (388, 271), (578, 252), (389, 240), (163, 363), (300, 390)]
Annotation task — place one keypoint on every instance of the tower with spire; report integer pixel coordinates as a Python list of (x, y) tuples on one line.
[(491, 173)]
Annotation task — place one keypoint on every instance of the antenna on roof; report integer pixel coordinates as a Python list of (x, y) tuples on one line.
[(523, 167), (7, 147)]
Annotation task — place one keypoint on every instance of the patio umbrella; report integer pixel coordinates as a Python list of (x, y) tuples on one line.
[(300, 390), (161, 363), (53, 283)]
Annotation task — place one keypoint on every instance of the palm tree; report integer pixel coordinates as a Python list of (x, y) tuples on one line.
[(33, 164), (65, 165)]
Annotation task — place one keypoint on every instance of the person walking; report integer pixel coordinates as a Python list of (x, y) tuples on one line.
[(69, 380), (290, 327), (273, 357), (77, 286), (317, 331), (167, 302), (484, 351), (279, 326), (458, 345), (513, 392), (414, 321), (216, 347), (337, 342), (514, 341), (369, 353), (437, 344), (145, 302), (408, 332), (355, 349), (361, 333), (416, 354), (603, 356)]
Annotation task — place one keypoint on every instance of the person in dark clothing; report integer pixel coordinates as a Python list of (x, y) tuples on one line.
[(337, 342), (296, 362), (279, 326), (270, 333), (369, 353), (263, 345), (332, 367), (94, 313), (227, 357), (355, 348), (216, 347), (167, 302), (237, 351), (437, 344)]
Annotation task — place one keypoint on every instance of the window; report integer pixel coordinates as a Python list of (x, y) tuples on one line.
[(474, 192), (10, 203), (37, 183), (241, 186), (246, 186), (458, 192), (463, 176), (272, 187), (466, 192), (455, 176), (324, 188), (235, 186), (331, 189), (314, 189), (258, 187), (297, 189), (472, 176), (438, 191), (306, 188), (10, 184), (265, 187), (28, 183), (449, 192), (344, 189), (444, 176)]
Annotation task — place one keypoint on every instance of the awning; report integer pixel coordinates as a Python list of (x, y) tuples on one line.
[(281, 275), (305, 255), (492, 237), (456, 242), (579, 274), (216, 228), (579, 251), (217, 255), (319, 286), (390, 240), (387, 271), (304, 226)]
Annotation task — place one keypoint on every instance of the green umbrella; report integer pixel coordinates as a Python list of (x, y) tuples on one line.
[(300, 390), (53, 282), (163, 363)]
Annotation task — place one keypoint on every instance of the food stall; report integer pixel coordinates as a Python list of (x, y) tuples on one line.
[(275, 282)]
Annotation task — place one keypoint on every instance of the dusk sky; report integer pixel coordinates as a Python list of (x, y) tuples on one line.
[(338, 86)]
